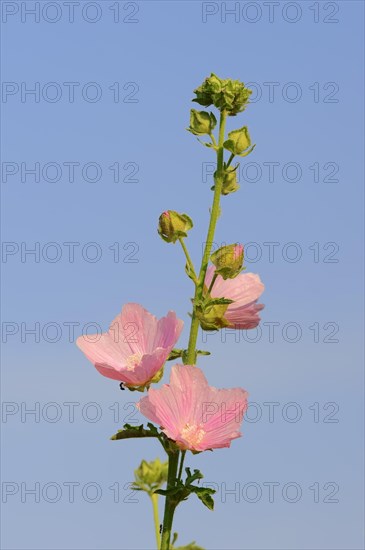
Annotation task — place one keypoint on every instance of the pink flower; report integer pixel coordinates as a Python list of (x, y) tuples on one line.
[(245, 290), (136, 346), (192, 413)]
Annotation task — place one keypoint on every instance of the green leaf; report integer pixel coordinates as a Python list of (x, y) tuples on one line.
[(206, 499), (202, 352), (175, 354), (168, 492), (205, 495), (179, 493), (192, 477), (128, 431)]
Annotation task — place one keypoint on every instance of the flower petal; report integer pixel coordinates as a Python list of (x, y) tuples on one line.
[(194, 415)]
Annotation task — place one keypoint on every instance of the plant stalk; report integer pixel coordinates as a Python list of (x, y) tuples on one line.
[(190, 358), (156, 519), (169, 502)]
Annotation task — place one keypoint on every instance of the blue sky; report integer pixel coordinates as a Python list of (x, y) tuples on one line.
[(104, 132)]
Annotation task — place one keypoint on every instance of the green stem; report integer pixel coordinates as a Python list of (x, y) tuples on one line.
[(156, 519), (190, 357), (230, 159), (188, 259), (212, 282), (213, 139), (170, 504), (183, 453)]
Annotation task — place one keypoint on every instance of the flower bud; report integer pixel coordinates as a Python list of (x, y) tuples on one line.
[(238, 141), (173, 225), (201, 122), (230, 184), (211, 314), (228, 260), (227, 95), (150, 476), (229, 181)]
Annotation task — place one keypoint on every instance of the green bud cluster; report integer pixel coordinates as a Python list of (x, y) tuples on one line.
[(226, 95), (150, 476)]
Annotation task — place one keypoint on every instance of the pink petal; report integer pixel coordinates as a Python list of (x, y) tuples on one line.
[(223, 423), (168, 331), (196, 416), (243, 289), (245, 317), (137, 328), (135, 338)]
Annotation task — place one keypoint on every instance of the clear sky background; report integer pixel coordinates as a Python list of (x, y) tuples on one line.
[(304, 364)]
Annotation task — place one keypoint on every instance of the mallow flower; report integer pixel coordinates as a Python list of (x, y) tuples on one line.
[(135, 348), (245, 289), (195, 415)]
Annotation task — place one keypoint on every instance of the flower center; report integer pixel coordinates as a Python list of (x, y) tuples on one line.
[(193, 434), (133, 361)]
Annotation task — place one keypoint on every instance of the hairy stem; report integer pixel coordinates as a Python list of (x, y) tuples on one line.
[(169, 502), (190, 358), (191, 354)]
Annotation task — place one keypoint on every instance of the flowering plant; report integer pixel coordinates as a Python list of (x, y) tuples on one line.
[(188, 414)]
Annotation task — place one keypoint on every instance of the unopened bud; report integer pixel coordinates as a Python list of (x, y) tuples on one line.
[(238, 141), (201, 122), (150, 476), (228, 260), (173, 226), (230, 184)]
